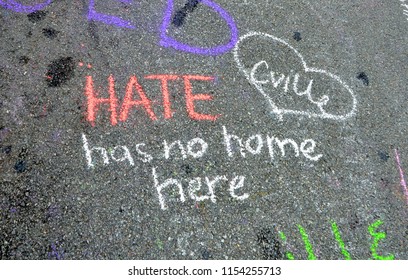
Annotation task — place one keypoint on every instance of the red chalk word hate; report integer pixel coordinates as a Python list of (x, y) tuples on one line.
[(142, 101)]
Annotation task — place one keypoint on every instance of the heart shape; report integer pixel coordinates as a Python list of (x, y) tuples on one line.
[(280, 111)]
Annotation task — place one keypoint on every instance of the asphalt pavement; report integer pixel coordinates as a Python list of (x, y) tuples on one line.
[(203, 129)]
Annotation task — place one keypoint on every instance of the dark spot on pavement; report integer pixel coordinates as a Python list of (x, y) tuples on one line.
[(20, 166), (384, 156), (384, 182), (180, 16), (24, 59), (363, 77), (206, 255), (354, 222), (270, 245), (50, 33), (297, 36), (187, 168), (37, 16), (6, 149), (60, 71)]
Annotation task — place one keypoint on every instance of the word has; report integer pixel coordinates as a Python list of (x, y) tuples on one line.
[(165, 40), (372, 230), (143, 101)]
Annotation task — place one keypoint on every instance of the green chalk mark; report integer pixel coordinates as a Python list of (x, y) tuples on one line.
[(159, 244), (377, 237), (337, 236), (282, 236), (308, 245), (289, 255)]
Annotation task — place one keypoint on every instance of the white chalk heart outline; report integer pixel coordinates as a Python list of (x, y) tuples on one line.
[(281, 111)]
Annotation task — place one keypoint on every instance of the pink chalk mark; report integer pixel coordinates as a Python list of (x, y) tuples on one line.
[(403, 182)]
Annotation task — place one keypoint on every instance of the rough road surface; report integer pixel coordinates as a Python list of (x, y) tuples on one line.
[(203, 129)]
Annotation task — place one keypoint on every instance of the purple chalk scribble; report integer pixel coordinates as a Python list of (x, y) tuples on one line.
[(111, 20), (3, 133), (125, 1), (168, 42), (20, 8), (402, 182), (53, 212), (56, 253), (56, 136)]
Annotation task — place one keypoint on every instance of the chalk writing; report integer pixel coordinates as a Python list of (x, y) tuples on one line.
[(306, 147), (107, 19), (143, 101), (195, 148), (20, 8), (194, 187), (377, 237), (340, 241), (113, 153), (289, 255), (308, 245), (283, 82), (405, 5), (309, 248), (401, 173), (165, 41), (190, 148)]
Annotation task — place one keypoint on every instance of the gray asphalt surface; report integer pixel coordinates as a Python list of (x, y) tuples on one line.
[(57, 204)]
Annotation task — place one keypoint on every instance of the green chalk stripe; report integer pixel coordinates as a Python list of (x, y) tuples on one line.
[(308, 245), (377, 237), (282, 236), (289, 255), (337, 236)]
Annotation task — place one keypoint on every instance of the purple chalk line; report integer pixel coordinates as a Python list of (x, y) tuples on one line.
[(166, 41), (20, 8), (110, 20)]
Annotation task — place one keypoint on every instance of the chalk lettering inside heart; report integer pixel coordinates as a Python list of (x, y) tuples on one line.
[(279, 72)]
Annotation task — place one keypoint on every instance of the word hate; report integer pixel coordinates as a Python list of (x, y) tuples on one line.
[(128, 103)]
